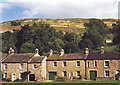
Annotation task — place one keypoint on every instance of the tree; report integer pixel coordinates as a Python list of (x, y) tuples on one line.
[(94, 35)]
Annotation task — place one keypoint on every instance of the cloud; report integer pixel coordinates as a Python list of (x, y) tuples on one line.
[(67, 8)]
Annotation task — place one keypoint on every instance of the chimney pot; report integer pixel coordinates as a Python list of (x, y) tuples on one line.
[(51, 52), (37, 52), (62, 52)]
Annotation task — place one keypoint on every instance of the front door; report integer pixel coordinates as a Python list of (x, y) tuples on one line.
[(13, 77), (32, 77), (93, 75), (52, 75)]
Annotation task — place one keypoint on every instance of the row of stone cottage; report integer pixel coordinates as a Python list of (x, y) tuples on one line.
[(87, 65)]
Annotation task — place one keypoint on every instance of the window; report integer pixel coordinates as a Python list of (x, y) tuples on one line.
[(78, 63), (20, 75), (106, 63), (21, 66), (34, 66), (78, 73), (95, 63), (5, 66), (64, 73), (64, 64), (87, 64), (5, 75), (107, 73), (54, 64)]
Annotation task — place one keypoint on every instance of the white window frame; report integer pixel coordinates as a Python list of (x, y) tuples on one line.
[(95, 63), (5, 66), (20, 74), (63, 64), (4, 75), (77, 64), (54, 64), (88, 64), (105, 63), (105, 73), (77, 73), (34, 66), (21, 66), (63, 73)]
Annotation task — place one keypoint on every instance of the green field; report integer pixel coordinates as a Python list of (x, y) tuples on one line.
[(66, 83)]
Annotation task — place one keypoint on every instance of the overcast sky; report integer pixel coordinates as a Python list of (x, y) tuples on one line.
[(17, 9)]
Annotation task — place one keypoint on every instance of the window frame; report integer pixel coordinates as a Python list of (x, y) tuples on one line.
[(20, 75), (21, 66), (106, 73), (64, 73), (5, 66), (95, 63), (34, 66), (64, 65), (4, 75), (105, 63), (54, 64), (77, 64), (88, 64), (77, 73)]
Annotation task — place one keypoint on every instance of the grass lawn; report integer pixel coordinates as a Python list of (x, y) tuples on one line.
[(66, 83)]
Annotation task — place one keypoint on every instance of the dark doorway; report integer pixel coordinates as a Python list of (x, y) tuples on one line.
[(93, 75), (32, 77), (52, 75)]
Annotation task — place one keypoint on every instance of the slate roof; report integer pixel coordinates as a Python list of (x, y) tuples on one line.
[(21, 57), (104, 56), (36, 59), (67, 56), (3, 55)]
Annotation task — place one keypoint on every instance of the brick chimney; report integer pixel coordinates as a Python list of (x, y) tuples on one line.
[(51, 52), (102, 50), (36, 52), (86, 51), (62, 52), (11, 51)]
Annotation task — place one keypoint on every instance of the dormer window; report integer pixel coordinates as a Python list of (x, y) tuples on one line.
[(21, 66), (106, 63)]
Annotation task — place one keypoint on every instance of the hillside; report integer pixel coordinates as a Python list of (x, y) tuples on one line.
[(75, 25)]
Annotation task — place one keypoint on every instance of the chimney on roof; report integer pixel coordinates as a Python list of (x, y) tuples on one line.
[(102, 50), (11, 51), (51, 52), (86, 51), (62, 52), (36, 52)]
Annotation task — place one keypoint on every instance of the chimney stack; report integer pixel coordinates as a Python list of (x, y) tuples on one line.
[(86, 51), (102, 49), (11, 51), (62, 52), (51, 52), (36, 52)]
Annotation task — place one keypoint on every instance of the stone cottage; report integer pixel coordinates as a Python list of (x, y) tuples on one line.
[(24, 66)]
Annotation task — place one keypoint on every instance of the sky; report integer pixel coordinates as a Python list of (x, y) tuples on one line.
[(54, 9)]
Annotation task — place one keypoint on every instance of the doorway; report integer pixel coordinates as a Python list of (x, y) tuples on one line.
[(52, 75), (32, 77), (93, 75)]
